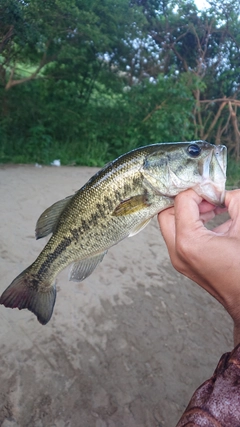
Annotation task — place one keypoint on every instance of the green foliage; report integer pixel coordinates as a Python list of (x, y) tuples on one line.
[(51, 122), (87, 80), (233, 174)]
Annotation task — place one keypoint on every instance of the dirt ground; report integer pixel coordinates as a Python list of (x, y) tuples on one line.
[(125, 348)]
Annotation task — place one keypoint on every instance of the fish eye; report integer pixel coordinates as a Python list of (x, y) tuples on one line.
[(194, 150)]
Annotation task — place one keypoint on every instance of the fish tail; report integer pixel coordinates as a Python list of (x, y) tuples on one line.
[(26, 291)]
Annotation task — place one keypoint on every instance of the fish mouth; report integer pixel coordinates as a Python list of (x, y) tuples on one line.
[(212, 187), (211, 192)]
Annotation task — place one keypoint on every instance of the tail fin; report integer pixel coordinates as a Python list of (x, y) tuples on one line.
[(25, 292)]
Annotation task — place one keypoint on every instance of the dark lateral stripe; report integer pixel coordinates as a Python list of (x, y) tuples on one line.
[(52, 256)]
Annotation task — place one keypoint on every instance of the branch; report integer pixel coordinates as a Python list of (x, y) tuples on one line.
[(180, 57), (212, 101), (202, 51), (7, 36), (224, 129), (158, 107), (197, 111), (11, 82), (219, 132), (215, 119), (235, 127), (233, 38), (172, 47)]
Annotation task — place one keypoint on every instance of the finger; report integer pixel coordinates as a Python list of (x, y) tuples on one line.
[(187, 212), (223, 228), (207, 216), (206, 207), (218, 210), (232, 202), (233, 194), (166, 220)]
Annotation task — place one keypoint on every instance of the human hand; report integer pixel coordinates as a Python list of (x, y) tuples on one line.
[(209, 257)]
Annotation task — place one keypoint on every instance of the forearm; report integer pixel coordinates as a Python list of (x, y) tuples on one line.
[(209, 258)]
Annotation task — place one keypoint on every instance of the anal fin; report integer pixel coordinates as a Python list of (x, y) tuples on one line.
[(83, 268)]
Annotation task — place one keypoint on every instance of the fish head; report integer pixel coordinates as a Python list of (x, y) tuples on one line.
[(199, 165)]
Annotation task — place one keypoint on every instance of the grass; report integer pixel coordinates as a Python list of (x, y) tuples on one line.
[(233, 174)]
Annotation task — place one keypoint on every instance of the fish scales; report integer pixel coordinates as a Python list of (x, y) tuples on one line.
[(91, 206), (115, 203)]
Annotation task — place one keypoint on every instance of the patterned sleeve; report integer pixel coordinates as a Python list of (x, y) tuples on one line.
[(216, 403)]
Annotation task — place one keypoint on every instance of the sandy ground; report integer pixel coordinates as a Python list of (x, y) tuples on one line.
[(125, 348)]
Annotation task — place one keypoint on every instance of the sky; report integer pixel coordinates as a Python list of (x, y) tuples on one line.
[(201, 4)]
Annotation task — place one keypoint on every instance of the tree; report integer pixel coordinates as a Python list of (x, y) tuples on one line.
[(115, 74), (206, 46)]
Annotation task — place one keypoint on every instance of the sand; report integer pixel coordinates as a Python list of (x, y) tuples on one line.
[(125, 348)]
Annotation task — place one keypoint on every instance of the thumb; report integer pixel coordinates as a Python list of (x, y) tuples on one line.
[(187, 215), (166, 220), (232, 202)]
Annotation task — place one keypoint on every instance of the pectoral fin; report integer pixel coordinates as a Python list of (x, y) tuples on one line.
[(139, 227), (132, 205), (83, 268), (49, 218)]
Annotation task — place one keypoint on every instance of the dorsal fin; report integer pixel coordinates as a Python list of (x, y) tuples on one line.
[(49, 218)]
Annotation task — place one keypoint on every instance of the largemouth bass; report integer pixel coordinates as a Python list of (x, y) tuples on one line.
[(117, 202)]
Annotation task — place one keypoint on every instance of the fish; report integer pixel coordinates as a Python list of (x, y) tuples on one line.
[(117, 202)]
